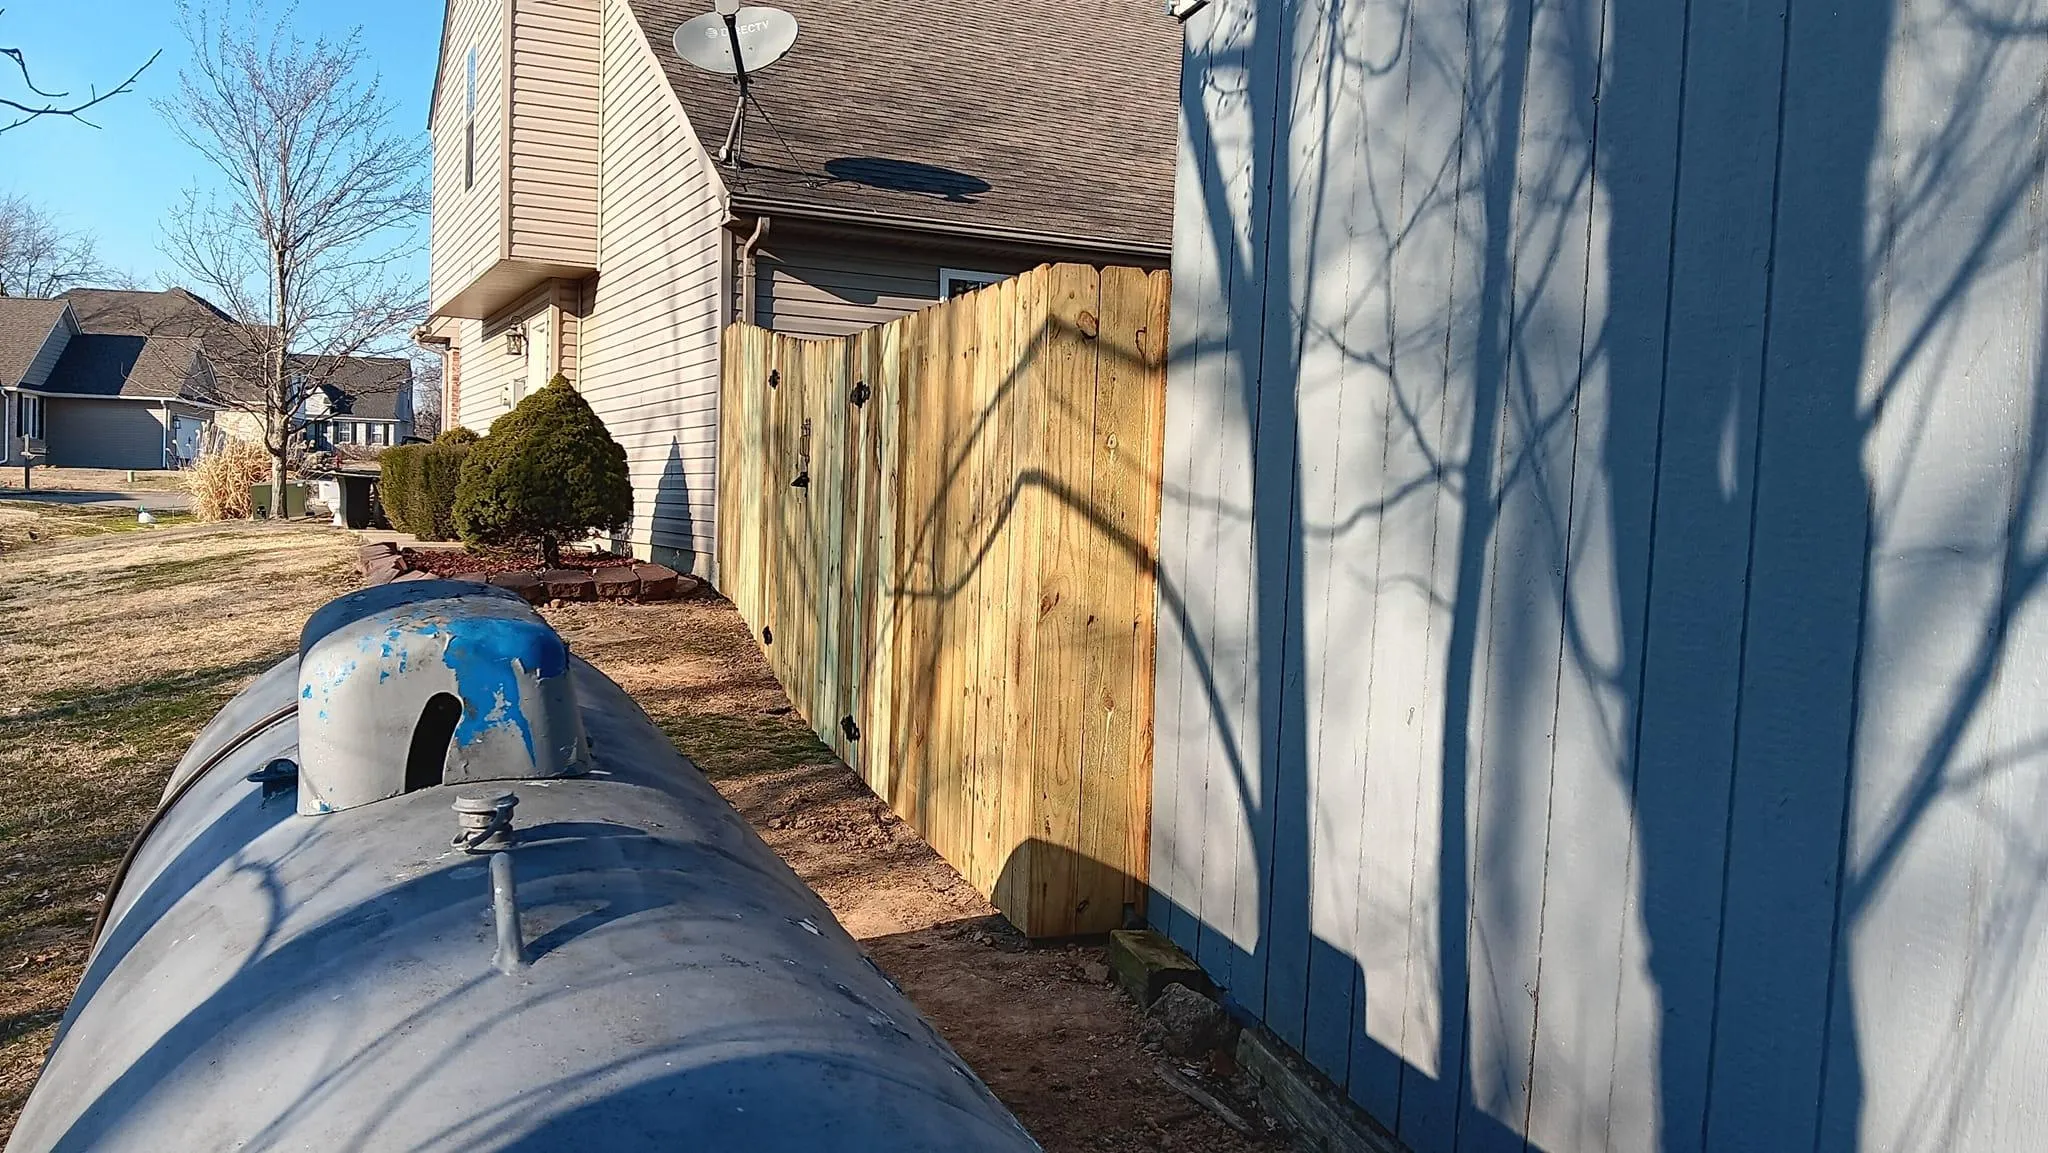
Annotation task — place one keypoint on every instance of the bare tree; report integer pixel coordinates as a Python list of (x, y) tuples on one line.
[(39, 257), (33, 102), (426, 395), (306, 239)]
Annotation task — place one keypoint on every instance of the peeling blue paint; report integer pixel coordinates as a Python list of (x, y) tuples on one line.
[(491, 660)]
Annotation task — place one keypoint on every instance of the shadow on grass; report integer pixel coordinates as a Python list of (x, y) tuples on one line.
[(728, 747), (149, 715)]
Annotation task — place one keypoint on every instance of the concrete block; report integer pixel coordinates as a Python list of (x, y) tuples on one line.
[(657, 581), (1146, 962), (384, 571), (414, 575), (1317, 1113), (526, 584), (569, 584), (370, 554), (616, 583)]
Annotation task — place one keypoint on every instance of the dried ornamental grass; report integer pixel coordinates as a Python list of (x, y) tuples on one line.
[(219, 482)]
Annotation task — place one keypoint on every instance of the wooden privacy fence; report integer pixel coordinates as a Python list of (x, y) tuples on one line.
[(942, 534)]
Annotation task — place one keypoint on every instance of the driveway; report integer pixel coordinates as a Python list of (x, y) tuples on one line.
[(137, 498)]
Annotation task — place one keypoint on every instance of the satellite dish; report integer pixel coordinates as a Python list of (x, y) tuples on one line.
[(765, 36)]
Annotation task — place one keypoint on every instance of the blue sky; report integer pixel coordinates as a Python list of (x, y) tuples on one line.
[(119, 182)]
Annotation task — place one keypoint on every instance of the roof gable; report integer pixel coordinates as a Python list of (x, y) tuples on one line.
[(1053, 118), (129, 366), (25, 326)]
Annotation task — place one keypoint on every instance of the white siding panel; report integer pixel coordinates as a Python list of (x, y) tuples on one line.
[(468, 220), (650, 344), (554, 114), (1601, 565)]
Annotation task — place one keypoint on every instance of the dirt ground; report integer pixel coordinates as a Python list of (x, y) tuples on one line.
[(1058, 1044), (103, 682)]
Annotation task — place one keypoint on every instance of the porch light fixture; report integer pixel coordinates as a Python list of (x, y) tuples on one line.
[(515, 341)]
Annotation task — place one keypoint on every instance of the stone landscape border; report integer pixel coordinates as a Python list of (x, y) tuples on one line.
[(384, 563)]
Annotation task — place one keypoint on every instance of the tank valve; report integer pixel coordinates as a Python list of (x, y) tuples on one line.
[(485, 820)]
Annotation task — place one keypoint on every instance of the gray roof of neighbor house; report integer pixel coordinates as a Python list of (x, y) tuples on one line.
[(147, 344), (1047, 120), (137, 367), (25, 323), (366, 387), (128, 312)]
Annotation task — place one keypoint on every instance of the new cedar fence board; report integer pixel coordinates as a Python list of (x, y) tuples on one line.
[(941, 533)]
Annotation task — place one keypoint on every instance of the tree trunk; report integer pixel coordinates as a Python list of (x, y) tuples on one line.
[(550, 551), (274, 439), (278, 388)]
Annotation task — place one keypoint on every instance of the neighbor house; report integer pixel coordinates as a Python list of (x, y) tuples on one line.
[(357, 402), (87, 390), (902, 153), (105, 378)]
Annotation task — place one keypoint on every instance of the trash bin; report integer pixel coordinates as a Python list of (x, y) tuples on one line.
[(360, 505)]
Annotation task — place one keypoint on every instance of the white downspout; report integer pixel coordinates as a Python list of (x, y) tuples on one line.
[(747, 268)]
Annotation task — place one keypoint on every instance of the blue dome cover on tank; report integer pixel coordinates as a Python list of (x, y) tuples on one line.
[(421, 683)]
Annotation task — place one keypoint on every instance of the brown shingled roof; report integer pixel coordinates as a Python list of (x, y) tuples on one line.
[(25, 324), (1051, 118)]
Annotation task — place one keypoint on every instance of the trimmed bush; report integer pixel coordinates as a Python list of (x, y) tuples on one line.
[(549, 473), (418, 487), (457, 435)]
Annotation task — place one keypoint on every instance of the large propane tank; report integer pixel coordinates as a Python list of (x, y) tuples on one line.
[(437, 884)]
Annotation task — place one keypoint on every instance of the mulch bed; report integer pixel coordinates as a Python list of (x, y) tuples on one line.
[(448, 562)]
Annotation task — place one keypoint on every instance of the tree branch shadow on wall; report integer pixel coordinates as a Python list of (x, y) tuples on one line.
[(1602, 463)]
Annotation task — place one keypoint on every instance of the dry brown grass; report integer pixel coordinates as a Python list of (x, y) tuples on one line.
[(31, 522), (220, 482), (47, 479), (113, 652)]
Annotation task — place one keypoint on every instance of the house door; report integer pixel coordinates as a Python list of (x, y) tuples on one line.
[(539, 343), (185, 438)]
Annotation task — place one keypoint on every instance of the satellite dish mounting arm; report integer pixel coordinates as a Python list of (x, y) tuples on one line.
[(735, 136)]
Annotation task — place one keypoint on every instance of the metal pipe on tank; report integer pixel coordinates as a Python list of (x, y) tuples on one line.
[(511, 956)]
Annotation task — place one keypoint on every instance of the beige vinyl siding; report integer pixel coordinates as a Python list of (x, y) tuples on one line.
[(829, 286), (651, 341), (489, 373), (238, 425), (46, 357), (103, 433), (553, 117), (568, 298), (468, 222), (812, 282)]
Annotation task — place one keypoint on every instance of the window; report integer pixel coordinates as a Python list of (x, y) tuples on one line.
[(959, 281), (469, 127), (380, 434), (31, 417), (344, 432)]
